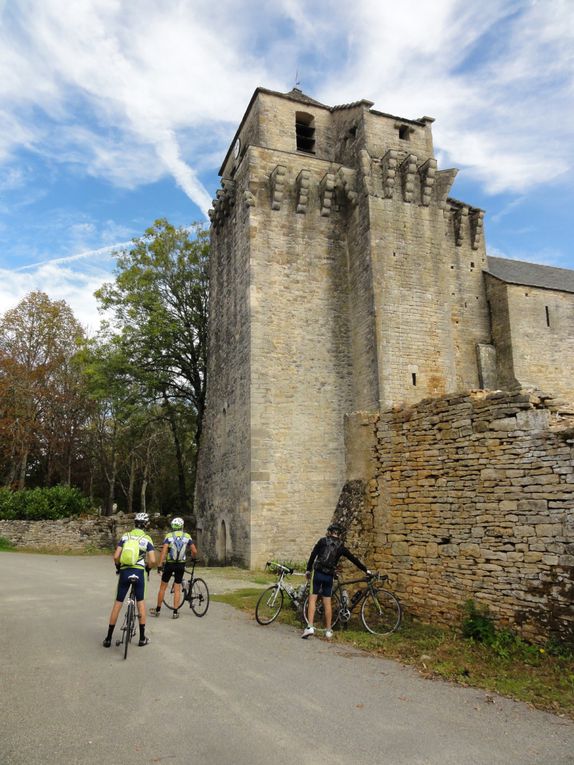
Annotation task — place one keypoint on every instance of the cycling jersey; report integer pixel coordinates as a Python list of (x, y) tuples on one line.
[(146, 545), (170, 541)]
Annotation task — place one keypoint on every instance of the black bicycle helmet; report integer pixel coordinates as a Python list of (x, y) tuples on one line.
[(335, 528)]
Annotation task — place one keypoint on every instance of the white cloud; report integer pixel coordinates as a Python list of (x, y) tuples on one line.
[(60, 283), (132, 92)]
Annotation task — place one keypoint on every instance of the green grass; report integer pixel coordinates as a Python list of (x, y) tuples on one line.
[(542, 677), (6, 545)]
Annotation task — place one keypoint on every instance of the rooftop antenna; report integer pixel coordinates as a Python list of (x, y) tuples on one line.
[(297, 80)]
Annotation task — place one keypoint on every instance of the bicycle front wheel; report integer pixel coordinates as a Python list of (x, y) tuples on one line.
[(130, 622), (169, 595), (381, 612), (199, 597), (319, 620), (269, 605)]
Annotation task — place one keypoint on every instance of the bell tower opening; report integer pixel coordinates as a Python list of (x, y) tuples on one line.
[(305, 132)]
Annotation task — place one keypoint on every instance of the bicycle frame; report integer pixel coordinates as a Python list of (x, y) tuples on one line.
[(347, 608), (131, 601), (295, 595)]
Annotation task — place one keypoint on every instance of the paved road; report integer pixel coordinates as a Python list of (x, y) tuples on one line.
[(224, 691)]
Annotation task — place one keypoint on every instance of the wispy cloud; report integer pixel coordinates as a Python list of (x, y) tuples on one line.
[(60, 283), (132, 93)]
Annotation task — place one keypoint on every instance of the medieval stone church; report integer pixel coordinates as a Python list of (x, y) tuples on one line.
[(344, 278)]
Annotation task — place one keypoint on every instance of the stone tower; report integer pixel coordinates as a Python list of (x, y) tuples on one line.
[(343, 278)]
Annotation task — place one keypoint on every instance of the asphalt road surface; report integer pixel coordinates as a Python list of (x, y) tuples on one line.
[(223, 690)]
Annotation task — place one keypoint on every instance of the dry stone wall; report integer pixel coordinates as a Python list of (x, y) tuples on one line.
[(76, 534), (471, 496)]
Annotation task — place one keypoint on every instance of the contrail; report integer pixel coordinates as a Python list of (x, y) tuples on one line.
[(79, 256)]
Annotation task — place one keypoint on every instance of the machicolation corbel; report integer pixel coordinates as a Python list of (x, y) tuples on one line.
[(278, 178), (346, 182), (460, 221), (250, 193), (302, 185), (389, 172), (408, 168), (223, 202), (327, 191), (476, 219), (427, 172), (367, 170)]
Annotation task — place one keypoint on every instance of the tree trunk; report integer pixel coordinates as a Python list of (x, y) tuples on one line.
[(179, 457), (23, 466), (131, 484), (112, 485)]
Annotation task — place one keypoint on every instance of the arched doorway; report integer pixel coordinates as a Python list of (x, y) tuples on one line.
[(221, 546)]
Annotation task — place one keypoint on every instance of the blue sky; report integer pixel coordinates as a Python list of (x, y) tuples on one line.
[(116, 112)]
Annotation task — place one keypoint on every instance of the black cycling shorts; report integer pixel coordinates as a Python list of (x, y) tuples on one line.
[(321, 583), (173, 569)]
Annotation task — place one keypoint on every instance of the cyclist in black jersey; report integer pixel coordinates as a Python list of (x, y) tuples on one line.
[(321, 570)]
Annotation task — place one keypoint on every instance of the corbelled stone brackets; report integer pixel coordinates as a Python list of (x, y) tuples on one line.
[(250, 193), (366, 169), (427, 172), (302, 185), (460, 220), (278, 178), (408, 168), (389, 172), (326, 193), (223, 203), (346, 182), (476, 226)]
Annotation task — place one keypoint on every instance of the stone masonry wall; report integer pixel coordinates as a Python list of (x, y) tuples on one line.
[(76, 534), (471, 496), (65, 534)]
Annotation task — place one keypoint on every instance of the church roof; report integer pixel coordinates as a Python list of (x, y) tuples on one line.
[(531, 274)]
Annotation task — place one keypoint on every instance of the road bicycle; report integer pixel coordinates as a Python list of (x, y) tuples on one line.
[(194, 591), (271, 600), (381, 611), (129, 624)]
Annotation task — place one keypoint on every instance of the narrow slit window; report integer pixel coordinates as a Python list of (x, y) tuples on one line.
[(414, 378), (404, 133), (305, 132), (547, 315)]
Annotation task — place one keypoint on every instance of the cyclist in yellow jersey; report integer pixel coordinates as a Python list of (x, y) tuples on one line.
[(175, 550), (145, 558)]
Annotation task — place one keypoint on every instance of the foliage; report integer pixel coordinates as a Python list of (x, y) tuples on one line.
[(41, 403), (159, 304), (6, 544), (478, 624), (42, 504)]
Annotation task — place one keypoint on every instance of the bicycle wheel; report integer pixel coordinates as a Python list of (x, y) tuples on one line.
[(169, 595), (199, 597), (381, 612), (129, 627), (269, 605), (319, 620)]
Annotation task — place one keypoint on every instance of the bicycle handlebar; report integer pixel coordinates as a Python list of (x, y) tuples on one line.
[(280, 566)]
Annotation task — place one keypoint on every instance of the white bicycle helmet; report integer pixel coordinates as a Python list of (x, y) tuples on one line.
[(177, 524), (141, 519)]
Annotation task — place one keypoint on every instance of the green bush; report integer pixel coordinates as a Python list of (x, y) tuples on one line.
[(42, 504), (478, 624)]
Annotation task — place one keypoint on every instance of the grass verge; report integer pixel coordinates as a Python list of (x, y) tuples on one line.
[(538, 676)]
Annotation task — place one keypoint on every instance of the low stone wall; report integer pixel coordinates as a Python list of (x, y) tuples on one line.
[(470, 496), (78, 534), (65, 533)]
